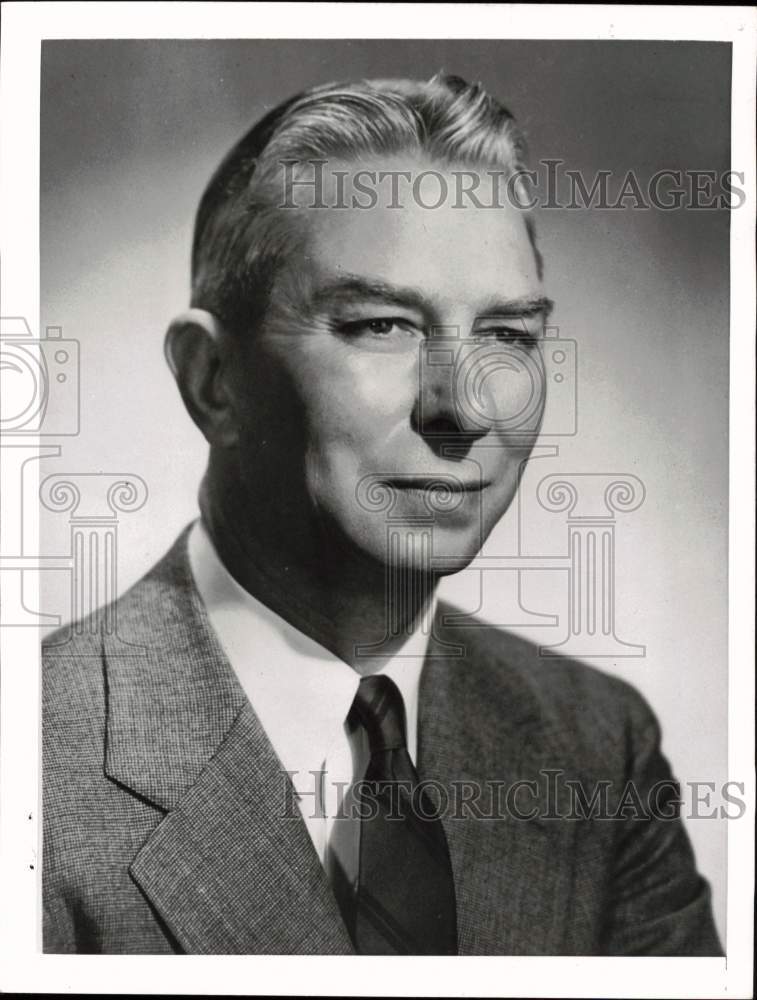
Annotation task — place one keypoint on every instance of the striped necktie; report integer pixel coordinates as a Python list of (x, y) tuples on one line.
[(403, 900)]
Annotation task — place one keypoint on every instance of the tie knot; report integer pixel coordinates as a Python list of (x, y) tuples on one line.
[(379, 708)]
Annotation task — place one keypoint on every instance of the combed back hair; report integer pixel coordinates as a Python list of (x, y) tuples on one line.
[(241, 237)]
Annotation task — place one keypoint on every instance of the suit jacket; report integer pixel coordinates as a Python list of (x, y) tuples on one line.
[(166, 827)]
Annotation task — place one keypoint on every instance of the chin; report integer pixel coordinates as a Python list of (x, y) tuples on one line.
[(431, 550), (405, 538), (455, 550)]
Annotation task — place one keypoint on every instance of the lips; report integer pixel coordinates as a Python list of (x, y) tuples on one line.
[(444, 483)]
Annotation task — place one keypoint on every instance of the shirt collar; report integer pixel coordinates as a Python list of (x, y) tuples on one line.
[(300, 691)]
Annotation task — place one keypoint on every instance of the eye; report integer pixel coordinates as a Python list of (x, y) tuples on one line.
[(381, 327), (517, 330)]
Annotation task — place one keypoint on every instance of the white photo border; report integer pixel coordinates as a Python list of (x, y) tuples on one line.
[(22, 965)]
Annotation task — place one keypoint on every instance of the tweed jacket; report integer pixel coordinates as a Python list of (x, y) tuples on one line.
[(166, 827)]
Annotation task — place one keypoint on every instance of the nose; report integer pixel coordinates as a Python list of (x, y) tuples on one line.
[(439, 416)]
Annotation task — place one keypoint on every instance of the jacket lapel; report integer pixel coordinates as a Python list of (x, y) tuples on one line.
[(231, 868), (481, 727)]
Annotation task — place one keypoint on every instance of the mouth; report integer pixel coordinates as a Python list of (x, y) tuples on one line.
[(437, 484)]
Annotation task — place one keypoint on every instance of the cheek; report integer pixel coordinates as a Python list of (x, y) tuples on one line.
[(354, 403)]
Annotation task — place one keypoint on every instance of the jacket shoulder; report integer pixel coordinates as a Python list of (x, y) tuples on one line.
[(565, 693), (73, 656)]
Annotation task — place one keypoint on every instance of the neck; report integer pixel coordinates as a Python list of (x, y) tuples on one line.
[(360, 610)]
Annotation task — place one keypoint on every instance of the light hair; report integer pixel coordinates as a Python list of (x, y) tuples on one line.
[(241, 237)]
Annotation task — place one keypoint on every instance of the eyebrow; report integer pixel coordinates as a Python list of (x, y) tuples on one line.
[(526, 305), (352, 286)]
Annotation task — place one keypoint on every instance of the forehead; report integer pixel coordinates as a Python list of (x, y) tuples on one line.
[(451, 248)]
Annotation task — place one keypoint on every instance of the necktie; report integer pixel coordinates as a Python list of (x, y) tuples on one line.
[(403, 901)]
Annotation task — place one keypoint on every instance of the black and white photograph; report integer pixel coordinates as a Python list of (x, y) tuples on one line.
[(378, 499)]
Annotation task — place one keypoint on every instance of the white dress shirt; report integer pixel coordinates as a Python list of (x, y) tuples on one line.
[(300, 692)]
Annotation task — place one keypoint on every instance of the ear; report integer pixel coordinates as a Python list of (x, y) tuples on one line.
[(196, 348)]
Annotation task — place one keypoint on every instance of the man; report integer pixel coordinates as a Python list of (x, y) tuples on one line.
[(287, 746)]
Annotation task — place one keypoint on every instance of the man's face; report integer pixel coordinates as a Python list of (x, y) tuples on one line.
[(396, 385)]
